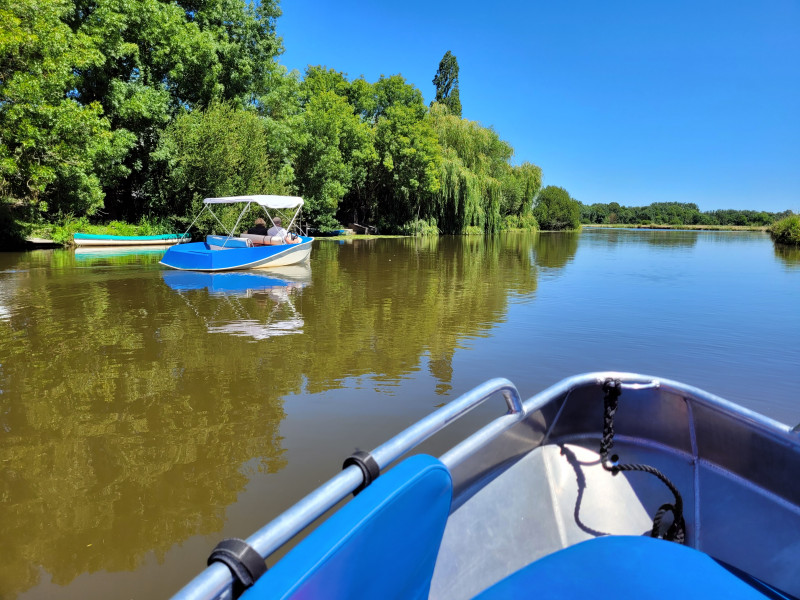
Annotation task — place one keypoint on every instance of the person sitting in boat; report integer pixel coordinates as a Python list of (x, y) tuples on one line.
[(276, 231), (260, 228)]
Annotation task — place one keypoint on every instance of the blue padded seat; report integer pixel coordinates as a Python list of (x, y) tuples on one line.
[(224, 241), (382, 544), (627, 567)]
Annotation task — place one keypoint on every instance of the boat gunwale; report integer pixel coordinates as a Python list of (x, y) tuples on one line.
[(216, 579)]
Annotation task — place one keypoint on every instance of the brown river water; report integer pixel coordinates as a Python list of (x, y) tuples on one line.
[(145, 413)]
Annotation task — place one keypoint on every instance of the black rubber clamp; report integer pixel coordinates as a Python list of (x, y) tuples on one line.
[(368, 465), (245, 563)]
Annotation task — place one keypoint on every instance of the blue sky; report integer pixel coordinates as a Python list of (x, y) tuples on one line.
[(633, 102)]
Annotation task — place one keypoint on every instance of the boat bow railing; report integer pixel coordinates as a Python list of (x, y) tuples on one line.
[(216, 580)]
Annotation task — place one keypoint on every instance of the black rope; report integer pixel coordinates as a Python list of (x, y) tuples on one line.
[(676, 532)]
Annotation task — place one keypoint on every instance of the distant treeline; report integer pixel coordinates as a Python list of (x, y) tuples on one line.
[(137, 110), (674, 213)]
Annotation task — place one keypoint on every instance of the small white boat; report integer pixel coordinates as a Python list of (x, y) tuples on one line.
[(231, 252), (92, 240), (699, 500)]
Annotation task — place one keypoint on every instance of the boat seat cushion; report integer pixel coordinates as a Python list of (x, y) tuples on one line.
[(381, 544), (257, 240), (226, 242), (627, 567)]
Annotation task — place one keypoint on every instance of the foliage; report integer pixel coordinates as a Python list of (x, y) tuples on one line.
[(420, 228), (446, 83), (53, 148), (556, 210), (157, 59), (336, 149), (786, 231), (221, 151), (142, 107), (673, 213), (405, 179), (476, 175), (520, 186), (524, 222)]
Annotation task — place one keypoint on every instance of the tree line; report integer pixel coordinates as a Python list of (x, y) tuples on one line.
[(138, 109), (674, 213)]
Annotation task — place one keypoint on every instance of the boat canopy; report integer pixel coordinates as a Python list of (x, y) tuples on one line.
[(266, 201)]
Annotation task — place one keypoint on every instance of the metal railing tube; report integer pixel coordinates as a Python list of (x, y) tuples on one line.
[(215, 579), (390, 451)]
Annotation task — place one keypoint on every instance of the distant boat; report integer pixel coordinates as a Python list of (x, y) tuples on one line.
[(90, 239), (243, 251), (701, 502)]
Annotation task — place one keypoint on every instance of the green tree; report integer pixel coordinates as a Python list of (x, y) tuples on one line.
[(446, 83), (221, 151), (555, 209), (156, 59), (336, 153), (53, 148), (405, 178)]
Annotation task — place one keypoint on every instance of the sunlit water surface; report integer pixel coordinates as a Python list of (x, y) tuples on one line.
[(145, 414)]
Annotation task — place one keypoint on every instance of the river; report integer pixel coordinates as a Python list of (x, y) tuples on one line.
[(145, 414)]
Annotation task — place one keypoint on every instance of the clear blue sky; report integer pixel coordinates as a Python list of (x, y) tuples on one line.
[(627, 101)]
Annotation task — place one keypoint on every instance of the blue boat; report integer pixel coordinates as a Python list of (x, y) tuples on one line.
[(606, 484), (243, 251)]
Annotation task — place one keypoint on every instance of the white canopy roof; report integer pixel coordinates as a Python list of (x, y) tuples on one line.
[(267, 201)]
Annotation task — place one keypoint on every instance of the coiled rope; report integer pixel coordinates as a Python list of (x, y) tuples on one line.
[(676, 532)]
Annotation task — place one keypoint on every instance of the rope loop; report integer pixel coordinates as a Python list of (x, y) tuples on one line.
[(676, 532)]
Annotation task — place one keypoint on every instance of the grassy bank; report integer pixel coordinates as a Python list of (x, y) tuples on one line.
[(686, 227)]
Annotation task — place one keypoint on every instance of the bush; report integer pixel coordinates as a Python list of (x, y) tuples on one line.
[(556, 210), (786, 231), (419, 228), (523, 222)]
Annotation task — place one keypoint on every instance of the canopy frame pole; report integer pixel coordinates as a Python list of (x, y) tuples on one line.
[(195, 219), (297, 212), (235, 225)]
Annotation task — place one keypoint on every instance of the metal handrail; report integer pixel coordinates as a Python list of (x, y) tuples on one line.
[(214, 581)]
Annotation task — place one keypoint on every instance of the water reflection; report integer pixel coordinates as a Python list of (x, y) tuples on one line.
[(661, 238), (137, 402), (555, 249), (117, 254), (123, 430), (273, 289), (789, 255)]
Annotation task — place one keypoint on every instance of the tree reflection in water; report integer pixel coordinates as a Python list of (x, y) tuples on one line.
[(132, 411)]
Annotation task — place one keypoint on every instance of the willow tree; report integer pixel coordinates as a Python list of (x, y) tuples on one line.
[(474, 168), (446, 83)]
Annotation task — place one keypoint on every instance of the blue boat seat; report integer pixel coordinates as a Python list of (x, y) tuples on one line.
[(226, 242), (382, 544), (628, 567)]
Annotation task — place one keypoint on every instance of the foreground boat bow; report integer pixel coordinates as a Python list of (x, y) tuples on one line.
[(527, 506)]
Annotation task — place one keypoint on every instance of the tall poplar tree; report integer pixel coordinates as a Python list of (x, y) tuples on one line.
[(446, 82)]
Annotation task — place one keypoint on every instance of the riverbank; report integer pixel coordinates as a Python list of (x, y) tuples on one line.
[(680, 227)]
